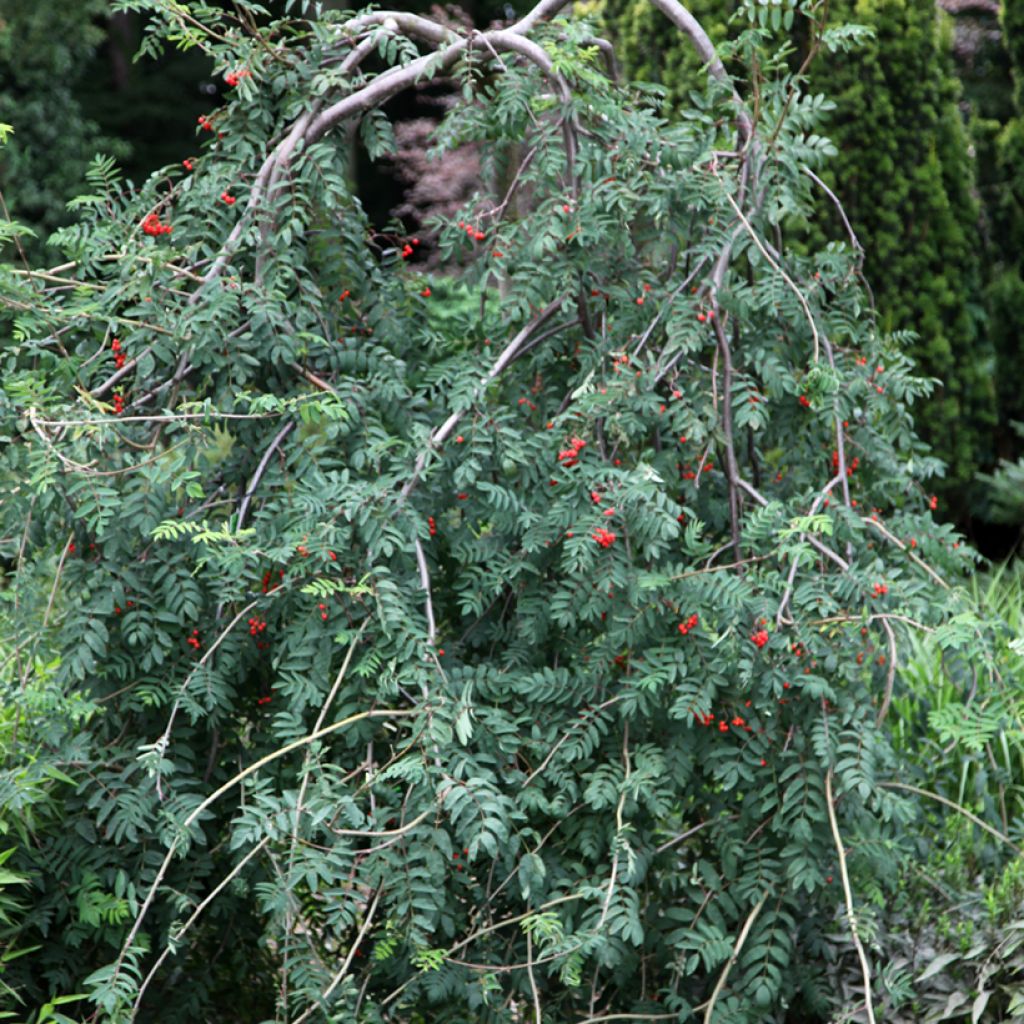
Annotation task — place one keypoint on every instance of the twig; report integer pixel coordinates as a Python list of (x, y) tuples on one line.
[(343, 970), (507, 356), (421, 562), (956, 807), (744, 932), (179, 935), (785, 277), (226, 788), (839, 206), (260, 470), (787, 593), (533, 980), (903, 547), (844, 875)]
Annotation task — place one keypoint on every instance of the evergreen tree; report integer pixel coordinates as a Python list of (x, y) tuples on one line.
[(1006, 291), (904, 177)]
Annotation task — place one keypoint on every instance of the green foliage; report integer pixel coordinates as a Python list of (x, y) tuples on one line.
[(953, 930), (438, 664)]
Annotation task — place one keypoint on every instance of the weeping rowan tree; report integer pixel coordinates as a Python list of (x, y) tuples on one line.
[(530, 662)]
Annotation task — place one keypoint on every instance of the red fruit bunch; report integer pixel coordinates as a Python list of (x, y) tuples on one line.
[(690, 623), (571, 455), (472, 232), (151, 225), (603, 537)]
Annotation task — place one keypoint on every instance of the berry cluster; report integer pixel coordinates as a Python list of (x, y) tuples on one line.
[(690, 623), (193, 640), (737, 721), (227, 198), (455, 856), (119, 356), (432, 525), (571, 455), (759, 638), (151, 225), (232, 78), (879, 589), (323, 611), (263, 700), (407, 249), (118, 403), (187, 164), (603, 537), (344, 295), (850, 469), (472, 232), (257, 625), (205, 123)]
